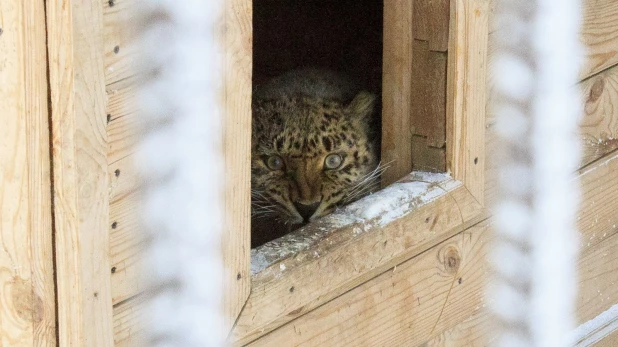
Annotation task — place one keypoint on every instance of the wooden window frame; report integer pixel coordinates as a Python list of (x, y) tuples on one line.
[(323, 268), (330, 257)]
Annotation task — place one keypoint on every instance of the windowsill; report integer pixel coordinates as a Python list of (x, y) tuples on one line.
[(366, 215)]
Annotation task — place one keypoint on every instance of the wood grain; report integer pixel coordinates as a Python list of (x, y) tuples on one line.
[(396, 90), (428, 117), (430, 159), (466, 98), (596, 293), (474, 331), (403, 306), (129, 319), (599, 35), (599, 124), (81, 200), (123, 133), (608, 341), (123, 128), (27, 298), (431, 23), (237, 150), (125, 246), (120, 47), (417, 300), (347, 257)]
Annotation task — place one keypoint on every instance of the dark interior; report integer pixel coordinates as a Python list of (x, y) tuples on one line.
[(340, 35)]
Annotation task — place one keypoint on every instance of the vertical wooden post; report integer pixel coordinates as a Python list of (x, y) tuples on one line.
[(27, 299), (465, 101), (81, 198), (397, 90), (237, 151)]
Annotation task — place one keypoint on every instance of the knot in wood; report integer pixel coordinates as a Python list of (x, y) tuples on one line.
[(596, 90), (452, 260), (27, 306)]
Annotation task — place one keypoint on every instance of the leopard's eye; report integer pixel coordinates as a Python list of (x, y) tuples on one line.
[(333, 161), (274, 163)]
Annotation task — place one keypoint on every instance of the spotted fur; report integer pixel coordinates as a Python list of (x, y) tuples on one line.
[(301, 118)]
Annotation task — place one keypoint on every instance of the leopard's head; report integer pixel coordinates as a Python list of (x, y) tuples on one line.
[(311, 155)]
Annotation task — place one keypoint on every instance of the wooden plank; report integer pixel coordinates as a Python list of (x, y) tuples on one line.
[(426, 158), (123, 135), (120, 44), (125, 247), (123, 131), (477, 330), (599, 125), (288, 289), (123, 128), (598, 227), (128, 323), (599, 35), (237, 151), (474, 331), (364, 312), (403, 306), (27, 312), (610, 340), (428, 100), (597, 276), (396, 90), (429, 94), (596, 330), (123, 178), (466, 100), (431, 23), (81, 200)]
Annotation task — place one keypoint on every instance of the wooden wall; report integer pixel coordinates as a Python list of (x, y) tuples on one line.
[(27, 295), (410, 302), (437, 298), (430, 54), (124, 131), (121, 52), (433, 299)]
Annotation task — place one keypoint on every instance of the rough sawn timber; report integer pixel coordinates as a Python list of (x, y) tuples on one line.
[(414, 302), (81, 200), (296, 285), (27, 295)]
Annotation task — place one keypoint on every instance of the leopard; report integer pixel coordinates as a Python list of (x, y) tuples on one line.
[(314, 148)]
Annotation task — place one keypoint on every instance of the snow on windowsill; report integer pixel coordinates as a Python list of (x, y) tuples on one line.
[(375, 210)]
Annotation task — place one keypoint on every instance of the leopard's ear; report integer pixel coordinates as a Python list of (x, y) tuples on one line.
[(362, 106)]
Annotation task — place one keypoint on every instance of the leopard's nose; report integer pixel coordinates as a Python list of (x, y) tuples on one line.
[(306, 211)]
